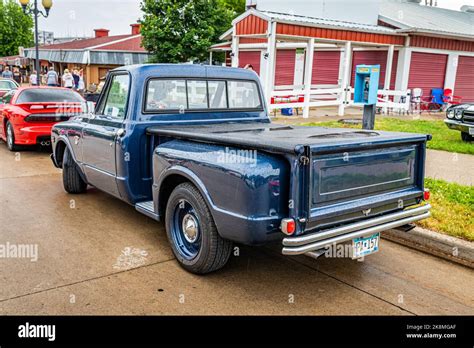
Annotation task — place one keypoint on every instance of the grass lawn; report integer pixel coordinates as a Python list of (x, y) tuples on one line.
[(443, 138), (453, 209)]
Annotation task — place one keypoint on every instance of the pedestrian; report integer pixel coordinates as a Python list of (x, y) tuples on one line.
[(17, 75), (81, 85), (7, 74), (34, 78), (52, 77), (68, 80), (75, 76)]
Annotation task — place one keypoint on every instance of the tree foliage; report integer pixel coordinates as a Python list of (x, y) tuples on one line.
[(16, 29), (177, 31)]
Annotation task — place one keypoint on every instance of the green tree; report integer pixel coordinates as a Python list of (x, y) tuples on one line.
[(16, 29), (238, 6), (177, 31)]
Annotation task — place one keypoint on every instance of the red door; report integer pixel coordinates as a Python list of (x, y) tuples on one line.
[(376, 58), (464, 86), (326, 68), (285, 67), (250, 57), (427, 71)]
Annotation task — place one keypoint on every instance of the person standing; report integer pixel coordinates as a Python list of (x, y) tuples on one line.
[(7, 74), (81, 86), (17, 75), (68, 79), (34, 78), (52, 77), (75, 76)]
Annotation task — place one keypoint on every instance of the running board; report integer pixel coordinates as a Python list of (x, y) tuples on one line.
[(148, 208)]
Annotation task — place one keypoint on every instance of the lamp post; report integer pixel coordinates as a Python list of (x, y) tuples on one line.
[(28, 9)]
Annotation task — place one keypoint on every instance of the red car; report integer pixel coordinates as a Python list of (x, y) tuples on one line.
[(28, 113)]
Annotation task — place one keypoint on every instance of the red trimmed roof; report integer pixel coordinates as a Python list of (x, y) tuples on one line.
[(86, 43), (127, 45)]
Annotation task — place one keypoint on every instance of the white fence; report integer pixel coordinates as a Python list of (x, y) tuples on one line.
[(319, 96)]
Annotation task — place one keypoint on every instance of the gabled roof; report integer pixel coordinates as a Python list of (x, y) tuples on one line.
[(412, 17)]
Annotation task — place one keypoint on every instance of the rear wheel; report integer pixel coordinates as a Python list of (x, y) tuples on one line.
[(466, 137), (72, 180), (192, 232), (11, 138)]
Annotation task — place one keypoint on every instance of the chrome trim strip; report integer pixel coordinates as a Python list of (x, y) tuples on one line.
[(314, 237), (345, 237)]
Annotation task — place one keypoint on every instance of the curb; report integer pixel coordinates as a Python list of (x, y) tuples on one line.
[(437, 244)]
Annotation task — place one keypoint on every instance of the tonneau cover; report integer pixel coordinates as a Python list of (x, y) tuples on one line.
[(283, 138)]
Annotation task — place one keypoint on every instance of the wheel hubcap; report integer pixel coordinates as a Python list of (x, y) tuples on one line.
[(190, 228), (185, 230)]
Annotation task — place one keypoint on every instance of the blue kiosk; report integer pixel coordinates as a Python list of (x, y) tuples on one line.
[(365, 92)]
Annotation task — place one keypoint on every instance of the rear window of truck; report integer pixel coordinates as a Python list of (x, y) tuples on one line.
[(168, 95)]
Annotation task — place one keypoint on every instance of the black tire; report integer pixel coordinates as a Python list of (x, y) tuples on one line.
[(212, 251), (72, 180), (10, 136), (466, 137)]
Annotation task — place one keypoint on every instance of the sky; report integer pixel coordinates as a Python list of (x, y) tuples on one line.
[(79, 18)]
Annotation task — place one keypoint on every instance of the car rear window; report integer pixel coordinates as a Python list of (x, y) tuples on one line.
[(6, 85), (45, 95)]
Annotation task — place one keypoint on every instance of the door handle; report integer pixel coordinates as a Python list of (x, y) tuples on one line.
[(120, 132)]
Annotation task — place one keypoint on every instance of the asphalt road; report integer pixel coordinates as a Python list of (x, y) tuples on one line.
[(88, 243)]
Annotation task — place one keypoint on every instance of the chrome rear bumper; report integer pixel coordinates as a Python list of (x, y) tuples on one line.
[(322, 239)]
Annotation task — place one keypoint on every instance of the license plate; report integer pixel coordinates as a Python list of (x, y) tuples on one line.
[(365, 245), (471, 131)]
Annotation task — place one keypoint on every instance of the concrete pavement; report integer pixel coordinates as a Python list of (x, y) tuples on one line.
[(97, 255), (451, 167)]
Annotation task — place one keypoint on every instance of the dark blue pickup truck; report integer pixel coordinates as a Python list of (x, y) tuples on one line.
[(193, 146)]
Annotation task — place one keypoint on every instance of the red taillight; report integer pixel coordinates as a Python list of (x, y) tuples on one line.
[(288, 226), (426, 195)]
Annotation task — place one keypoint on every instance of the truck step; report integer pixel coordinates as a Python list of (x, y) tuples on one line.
[(147, 208)]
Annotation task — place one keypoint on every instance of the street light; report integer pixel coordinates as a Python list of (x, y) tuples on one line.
[(27, 9)]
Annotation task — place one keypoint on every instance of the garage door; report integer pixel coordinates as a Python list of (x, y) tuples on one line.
[(250, 57), (376, 58), (326, 68), (285, 67), (427, 71), (464, 87)]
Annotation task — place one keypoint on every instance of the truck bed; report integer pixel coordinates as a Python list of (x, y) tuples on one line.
[(285, 139)]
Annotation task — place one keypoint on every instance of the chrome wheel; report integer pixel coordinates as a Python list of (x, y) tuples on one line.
[(9, 136)]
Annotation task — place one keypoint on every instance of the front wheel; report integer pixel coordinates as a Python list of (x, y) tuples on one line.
[(72, 180), (467, 137), (192, 232)]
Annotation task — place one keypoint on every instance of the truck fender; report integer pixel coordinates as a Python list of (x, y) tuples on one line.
[(189, 176)]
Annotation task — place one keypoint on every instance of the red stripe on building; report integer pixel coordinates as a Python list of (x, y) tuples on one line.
[(427, 71), (440, 43), (335, 34), (251, 25), (326, 68), (464, 86)]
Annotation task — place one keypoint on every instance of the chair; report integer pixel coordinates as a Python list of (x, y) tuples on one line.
[(451, 99), (416, 99)]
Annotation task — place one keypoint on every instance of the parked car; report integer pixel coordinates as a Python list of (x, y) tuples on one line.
[(461, 118), (193, 146), (6, 85), (28, 113)]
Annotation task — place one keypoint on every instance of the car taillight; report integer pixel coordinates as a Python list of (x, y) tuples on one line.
[(288, 226), (426, 195)]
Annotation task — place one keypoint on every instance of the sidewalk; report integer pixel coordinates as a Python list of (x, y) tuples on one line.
[(451, 167)]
